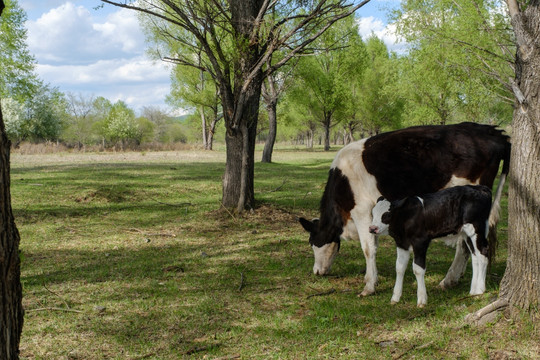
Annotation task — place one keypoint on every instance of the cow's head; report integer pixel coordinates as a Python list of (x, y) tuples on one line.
[(381, 217), (325, 245)]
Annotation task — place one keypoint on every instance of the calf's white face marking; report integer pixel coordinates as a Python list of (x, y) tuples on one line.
[(377, 226), (324, 257)]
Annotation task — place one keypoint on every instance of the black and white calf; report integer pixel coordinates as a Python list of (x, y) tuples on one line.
[(414, 221), (397, 164)]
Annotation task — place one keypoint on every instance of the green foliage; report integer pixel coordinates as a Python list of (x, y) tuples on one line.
[(459, 63), (41, 118), (379, 106), (17, 79)]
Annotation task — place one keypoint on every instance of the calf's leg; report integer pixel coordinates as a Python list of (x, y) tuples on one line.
[(401, 265), (419, 269), (478, 248)]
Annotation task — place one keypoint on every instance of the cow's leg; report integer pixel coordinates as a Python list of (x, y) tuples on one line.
[(419, 269), (401, 265), (369, 247), (459, 265)]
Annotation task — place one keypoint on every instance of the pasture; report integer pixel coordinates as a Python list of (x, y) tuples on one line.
[(129, 256)]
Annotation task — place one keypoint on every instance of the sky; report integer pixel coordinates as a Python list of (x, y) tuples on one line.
[(92, 50)]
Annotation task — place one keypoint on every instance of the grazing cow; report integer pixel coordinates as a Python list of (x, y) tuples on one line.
[(414, 221), (397, 164)]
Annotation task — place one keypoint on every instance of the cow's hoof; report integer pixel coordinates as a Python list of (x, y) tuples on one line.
[(421, 306), (393, 302), (366, 292), (447, 284)]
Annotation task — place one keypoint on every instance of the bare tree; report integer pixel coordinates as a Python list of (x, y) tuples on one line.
[(237, 38), (11, 310)]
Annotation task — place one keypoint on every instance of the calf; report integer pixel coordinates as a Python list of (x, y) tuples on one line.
[(414, 221)]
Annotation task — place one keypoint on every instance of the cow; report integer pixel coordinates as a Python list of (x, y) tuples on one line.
[(395, 165), (416, 220)]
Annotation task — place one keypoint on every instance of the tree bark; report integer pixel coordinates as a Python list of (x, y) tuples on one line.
[(11, 310), (521, 282)]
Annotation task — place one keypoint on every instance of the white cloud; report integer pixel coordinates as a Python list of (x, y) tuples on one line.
[(99, 53), (369, 26), (69, 34)]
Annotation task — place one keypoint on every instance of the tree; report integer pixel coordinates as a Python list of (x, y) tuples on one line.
[(81, 120), (12, 318), (237, 37), (160, 118), (520, 286), (120, 125), (325, 80), (46, 114)]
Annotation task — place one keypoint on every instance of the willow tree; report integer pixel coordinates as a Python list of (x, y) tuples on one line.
[(237, 37)]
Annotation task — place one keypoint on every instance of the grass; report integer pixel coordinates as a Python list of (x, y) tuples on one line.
[(127, 256)]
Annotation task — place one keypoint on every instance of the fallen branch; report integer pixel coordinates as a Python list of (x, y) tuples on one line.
[(142, 232), (227, 210), (241, 281), (61, 298), (53, 309), (414, 347), (331, 291), (169, 204), (279, 187)]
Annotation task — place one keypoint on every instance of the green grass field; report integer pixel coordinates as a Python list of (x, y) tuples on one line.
[(128, 256)]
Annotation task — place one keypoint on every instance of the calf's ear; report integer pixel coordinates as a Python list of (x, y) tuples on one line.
[(309, 226)]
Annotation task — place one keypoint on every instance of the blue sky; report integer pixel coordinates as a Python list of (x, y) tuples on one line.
[(84, 48)]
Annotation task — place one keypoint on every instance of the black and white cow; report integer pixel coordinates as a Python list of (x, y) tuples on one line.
[(397, 164), (416, 220)]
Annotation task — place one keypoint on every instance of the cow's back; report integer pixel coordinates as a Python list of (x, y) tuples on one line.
[(424, 159)]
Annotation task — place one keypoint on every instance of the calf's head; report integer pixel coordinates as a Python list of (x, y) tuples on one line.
[(325, 245), (381, 213)]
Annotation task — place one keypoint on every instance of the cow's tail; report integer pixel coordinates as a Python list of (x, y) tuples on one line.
[(494, 214)]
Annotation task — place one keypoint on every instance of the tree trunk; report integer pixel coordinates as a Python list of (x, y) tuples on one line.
[(327, 133), (238, 186), (521, 282), (11, 310), (272, 131), (203, 124)]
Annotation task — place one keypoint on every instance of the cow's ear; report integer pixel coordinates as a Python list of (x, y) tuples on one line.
[(309, 226)]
